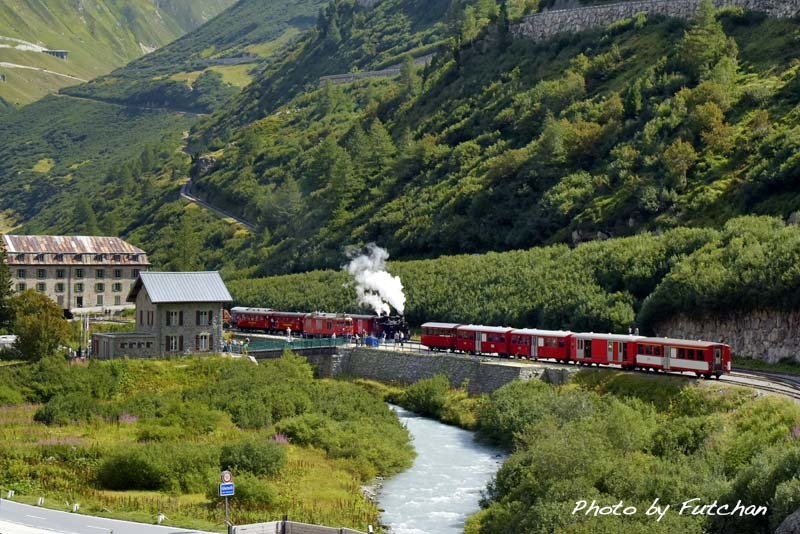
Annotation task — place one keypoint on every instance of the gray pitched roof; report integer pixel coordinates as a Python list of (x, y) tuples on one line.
[(181, 287)]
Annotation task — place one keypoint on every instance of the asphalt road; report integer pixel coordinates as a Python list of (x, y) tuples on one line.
[(16, 518)]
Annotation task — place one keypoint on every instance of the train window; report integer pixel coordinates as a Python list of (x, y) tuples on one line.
[(561, 343), (648, 349), (682, 353), (657, 350), (699, 354), (690, 354)]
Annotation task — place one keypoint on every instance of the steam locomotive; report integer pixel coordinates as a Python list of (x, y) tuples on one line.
[(317, 324)]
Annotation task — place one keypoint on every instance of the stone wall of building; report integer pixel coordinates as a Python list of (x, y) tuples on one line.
[(408, 367), (548, 23), (768, 335)]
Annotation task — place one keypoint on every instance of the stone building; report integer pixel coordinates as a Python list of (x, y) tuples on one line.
[(87, 273), (176, 313)]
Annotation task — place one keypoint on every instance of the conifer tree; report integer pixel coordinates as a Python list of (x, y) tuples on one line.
[(6, 312)]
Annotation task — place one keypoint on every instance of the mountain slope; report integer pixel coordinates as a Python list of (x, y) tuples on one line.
[(504, 144), (99, 36), (228, 50)]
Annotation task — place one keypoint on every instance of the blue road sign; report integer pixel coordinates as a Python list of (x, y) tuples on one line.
[(226, 490)]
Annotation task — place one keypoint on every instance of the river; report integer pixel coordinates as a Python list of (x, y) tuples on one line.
[(444, 485)]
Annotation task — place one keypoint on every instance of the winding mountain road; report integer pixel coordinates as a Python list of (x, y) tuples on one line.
[(186, 192)]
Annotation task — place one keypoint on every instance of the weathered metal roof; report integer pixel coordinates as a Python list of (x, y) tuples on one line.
[(58, 244), (181, 287)]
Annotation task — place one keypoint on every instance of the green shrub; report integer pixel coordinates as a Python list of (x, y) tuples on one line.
[(65, 408), (133, 469), (427, 397), (9, 396), (251, 492), (261, 458)]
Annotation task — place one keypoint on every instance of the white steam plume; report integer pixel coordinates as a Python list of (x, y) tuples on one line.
[(375, 287)]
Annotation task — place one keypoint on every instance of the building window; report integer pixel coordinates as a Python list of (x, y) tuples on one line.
[(21, 273), (21, 286), (117, 257), (60, 287), (116, 287), (99, 300), (59, 273), (134, 273), (78, 257), (41, 287), (99, 288), (133, 257), (202, 342), (150, 318), (117, 300), (59, 257), (99, 257), (40, 257), (79, 287), (20, 257), (117, 273), (174, 318), (41, 274), (174, 343), (100, 273), (202, 318), (60, 300), (78, 273)]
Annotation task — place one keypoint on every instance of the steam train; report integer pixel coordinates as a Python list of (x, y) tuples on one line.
[(628, 351), (316, 324)]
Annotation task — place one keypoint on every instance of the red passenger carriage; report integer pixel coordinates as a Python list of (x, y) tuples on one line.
[(604, 349), (532, 343), (699, 357), (477, 339), (439, 336), (320, 324), (251, 318)]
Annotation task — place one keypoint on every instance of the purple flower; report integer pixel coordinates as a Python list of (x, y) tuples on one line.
[(280, 438), (127, 418)]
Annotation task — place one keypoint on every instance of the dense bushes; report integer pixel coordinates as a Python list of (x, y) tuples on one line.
[(603, 286), (262, 458), (171, 426), (598, 439), (175, 466)]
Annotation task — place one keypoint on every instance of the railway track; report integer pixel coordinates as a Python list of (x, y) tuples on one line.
[(787, 385)]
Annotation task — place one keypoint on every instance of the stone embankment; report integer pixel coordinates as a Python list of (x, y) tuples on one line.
[(768, 335), (548, 23), (480, 376)]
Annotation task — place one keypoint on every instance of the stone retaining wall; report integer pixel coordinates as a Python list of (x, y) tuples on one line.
[(768, 335), (407, 368), (548, 23)]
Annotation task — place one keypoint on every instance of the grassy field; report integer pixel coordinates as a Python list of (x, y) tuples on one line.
[(133, 439)]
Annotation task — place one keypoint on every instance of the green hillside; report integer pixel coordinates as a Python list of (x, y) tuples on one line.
[(503, 144), (81, 165), (99, 36), (230, 48), (498, 144)]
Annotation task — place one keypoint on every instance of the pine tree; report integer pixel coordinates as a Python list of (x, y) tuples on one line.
[(6, 312), (85, 218), (186, 246), (704, 43)]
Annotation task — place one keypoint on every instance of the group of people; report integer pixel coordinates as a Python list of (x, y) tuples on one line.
[(399, 339), (236, 346)]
